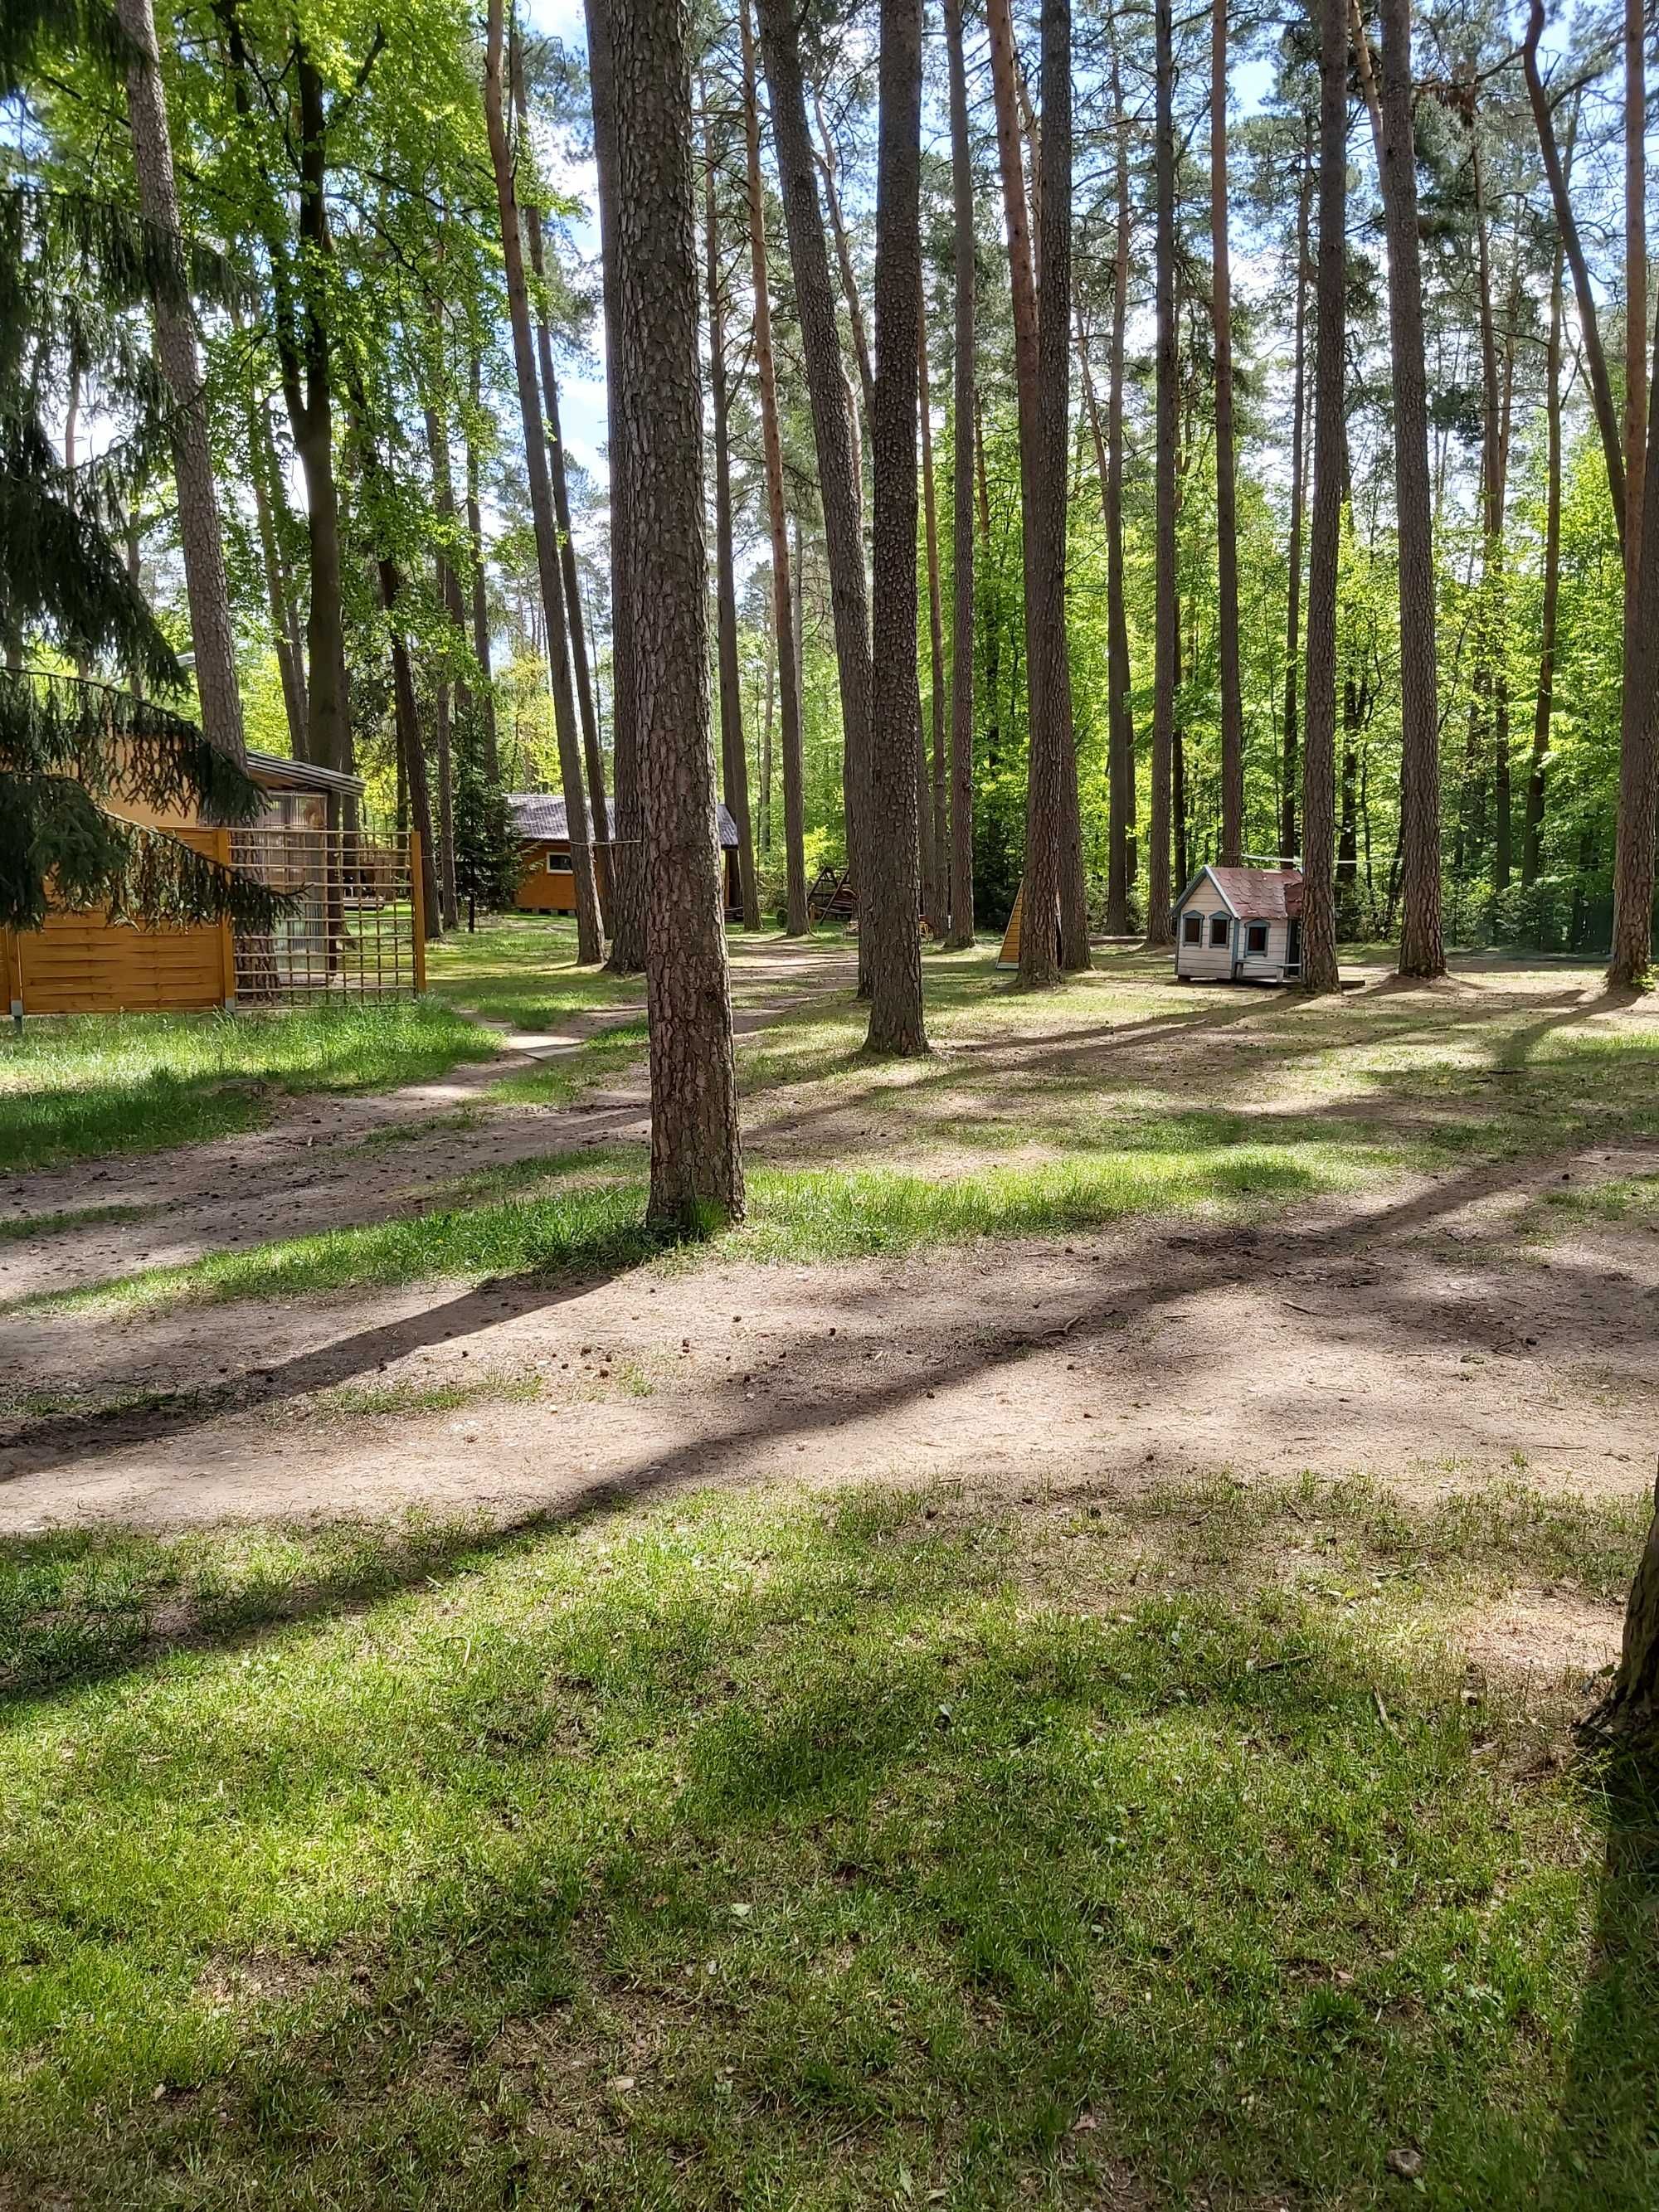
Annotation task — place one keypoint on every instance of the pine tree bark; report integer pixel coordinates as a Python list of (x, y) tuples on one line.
[(734, 751), (1537, 782), (1629, 1715), (1054, 867), (411, 751), (832, 425), (697, 1167), (1123, 856), (849, 281), (888, 897), (590, 930), (937, 809), (1422, 951), (961, 495), (627, 829), (796, 920), (213, 639), (1631, 962), (449, 591), (1319, 969), (1636, 294), (1289, 839), (1167, 643), (491, 749), (1232, 703)]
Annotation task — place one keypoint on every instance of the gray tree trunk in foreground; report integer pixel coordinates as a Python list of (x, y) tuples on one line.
[(696, 1166)]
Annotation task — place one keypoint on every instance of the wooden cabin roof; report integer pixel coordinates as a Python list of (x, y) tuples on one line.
[(272, 772), (538, 817)]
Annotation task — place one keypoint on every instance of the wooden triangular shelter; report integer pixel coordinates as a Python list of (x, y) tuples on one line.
[(1009, 955)]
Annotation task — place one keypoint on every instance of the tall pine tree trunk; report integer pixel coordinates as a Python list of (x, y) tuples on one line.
[(937, 810), (889, 896), (1638, 749), (1537, 782), (592, 759), (788, 671), (590, 932), (1289, 843), (1226, 504), (832, 427), (627, 845), (411, 751), (1422, 951), (212, 638), (1167, 642), (734, 751), (1319, 971), (961, 496), (1123, 855), (696, 1168), (491, 749)]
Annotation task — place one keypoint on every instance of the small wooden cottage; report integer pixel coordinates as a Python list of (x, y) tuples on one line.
[(81, 962), (548, 884), (1239, 926)]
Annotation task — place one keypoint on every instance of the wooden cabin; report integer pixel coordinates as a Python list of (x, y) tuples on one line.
[(1239, 926), (548, 884), (83, 964)]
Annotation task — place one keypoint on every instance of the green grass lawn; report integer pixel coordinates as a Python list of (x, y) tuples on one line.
[(879, 1850), (522, 969), (83, 1087)]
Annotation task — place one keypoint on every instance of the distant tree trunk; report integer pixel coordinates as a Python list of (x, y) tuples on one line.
[(1422, 951), (1596, 360), (310, 410), (734, 750), (832, 430), (449, 591), (962, 497), (589, 930), (1319, 971), (411, 751), (627, 827), (1639, 749), (1051, 185), (939, 812), (1167, 643), (212, 638), (766, 752), (268, 505), (592, 759), (1232, 706), (696, 1168), (491, 751), (849, 281), (1533, 838), (888, 900), (1054, 855), (1347, 837), (1289, 845), (1124, 855), (1636, 294), (788, 673)]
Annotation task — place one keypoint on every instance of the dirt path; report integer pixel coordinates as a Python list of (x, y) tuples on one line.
[(323, 1162), (1419, 1331)]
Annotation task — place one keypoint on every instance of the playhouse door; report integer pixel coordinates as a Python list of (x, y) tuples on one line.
[(1293, 950)]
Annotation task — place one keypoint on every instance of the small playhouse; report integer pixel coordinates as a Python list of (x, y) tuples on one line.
[(1239, 926)]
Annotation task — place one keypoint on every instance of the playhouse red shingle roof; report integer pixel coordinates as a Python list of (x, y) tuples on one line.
[(1260, 894)]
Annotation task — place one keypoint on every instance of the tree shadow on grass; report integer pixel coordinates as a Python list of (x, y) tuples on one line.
[(1605, 2150)]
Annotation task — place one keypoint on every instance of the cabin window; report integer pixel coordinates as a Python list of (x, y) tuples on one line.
[(1191, 929), (1218, 929), (558, 863), (1255, 937)]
